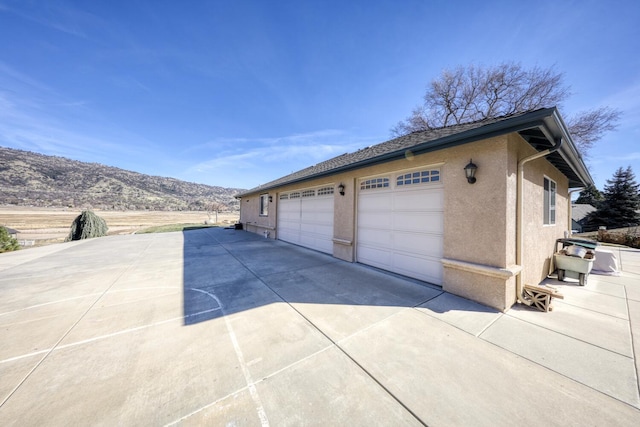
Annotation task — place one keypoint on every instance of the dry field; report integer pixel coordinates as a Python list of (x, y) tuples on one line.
[(44, 226)]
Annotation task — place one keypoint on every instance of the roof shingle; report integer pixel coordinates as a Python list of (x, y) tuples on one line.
[(385, 150)]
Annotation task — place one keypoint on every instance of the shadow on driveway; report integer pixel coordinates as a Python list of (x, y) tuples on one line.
[(227, 271)]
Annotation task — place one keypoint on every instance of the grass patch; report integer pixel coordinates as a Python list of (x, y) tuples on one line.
[(173, 227)]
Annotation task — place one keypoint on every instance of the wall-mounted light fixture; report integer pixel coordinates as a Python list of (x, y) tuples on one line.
[(470, 171), (341, 189), (270, 199)]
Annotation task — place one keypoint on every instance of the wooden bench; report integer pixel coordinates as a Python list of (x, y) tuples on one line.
[(540, 296)]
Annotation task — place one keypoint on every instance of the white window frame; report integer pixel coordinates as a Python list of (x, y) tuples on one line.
[(375, 183), (549, 201), (419, 176), (325, 191), (264, 204)]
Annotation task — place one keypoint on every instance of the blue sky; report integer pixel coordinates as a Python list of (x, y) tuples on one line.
[(238, 93)]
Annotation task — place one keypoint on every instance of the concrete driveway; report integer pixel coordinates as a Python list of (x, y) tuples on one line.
[(223, 327)]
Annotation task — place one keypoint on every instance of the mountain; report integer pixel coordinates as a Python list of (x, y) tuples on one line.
[(31, 179)]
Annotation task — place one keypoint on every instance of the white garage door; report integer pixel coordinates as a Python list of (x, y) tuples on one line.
[(305, 218), (400, 223)]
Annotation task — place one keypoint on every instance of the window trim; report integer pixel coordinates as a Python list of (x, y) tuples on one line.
[(264, 204), (422, 176), (375, 183), (549, 201)]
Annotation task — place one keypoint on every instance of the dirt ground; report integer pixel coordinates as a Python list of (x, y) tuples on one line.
[(42, 226)]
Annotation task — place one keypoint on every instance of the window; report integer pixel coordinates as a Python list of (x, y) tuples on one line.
[(264, 205), (309, 193), (369, 184), (295, 195), (549, 201), (284, 196), (325, 190), (419, 177)]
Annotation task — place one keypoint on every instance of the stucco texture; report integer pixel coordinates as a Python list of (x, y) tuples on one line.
[(479, 219)]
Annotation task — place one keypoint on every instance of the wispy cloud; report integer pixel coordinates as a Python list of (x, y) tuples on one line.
[(35, 117), (56, 16), (255, 161)]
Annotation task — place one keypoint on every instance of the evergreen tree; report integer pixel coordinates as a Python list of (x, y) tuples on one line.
[(87, 225), (621, 202), (590, 196), (7, 243)]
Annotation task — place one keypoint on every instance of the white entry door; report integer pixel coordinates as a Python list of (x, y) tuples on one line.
[(400, 223), (305, 218)]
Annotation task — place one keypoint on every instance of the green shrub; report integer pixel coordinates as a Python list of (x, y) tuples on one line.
[(7, 243), (86, 226)]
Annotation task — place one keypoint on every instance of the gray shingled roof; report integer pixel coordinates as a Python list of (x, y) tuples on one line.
[(580, 211), (418, 142)]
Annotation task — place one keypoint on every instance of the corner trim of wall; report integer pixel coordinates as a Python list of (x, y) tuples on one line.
[(342, 241), (255, 224), (485, 270)]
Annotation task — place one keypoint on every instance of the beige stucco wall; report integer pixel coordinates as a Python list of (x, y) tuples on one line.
[(539, 239), (250, 214), (479, 219)]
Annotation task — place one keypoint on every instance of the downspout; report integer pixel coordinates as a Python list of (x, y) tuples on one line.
[(520, 211)]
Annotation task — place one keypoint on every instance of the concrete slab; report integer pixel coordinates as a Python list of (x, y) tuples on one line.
[(37, 329), (462, 313), (449, 377), (12, 259), (630, 260), (268, 256), (602, 330), (587, 298), (288, 337), (221, 326), (329, 389), (595, 367), (133, 378), (13, 371), (324, 389), (634, 315), (346, 298)]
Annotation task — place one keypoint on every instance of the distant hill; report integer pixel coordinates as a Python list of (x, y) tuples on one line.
[(31, 179)]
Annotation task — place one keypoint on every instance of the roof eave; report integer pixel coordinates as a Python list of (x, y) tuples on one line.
[(547, 120), (569, 151)]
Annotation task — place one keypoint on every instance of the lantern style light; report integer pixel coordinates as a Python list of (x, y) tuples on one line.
[(341, 189), (470, 171)]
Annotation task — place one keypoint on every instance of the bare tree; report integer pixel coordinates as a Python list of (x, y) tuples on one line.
[(214, 208), (472, 93), (588, 126)]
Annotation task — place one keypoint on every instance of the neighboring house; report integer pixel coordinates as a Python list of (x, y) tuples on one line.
[(12, 233), (406, 206), (579, 214)]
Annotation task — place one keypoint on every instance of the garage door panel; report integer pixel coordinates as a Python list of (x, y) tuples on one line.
[(317, 242), (317, 217), (316, 229), (419, 244), (373, 202), (376, 237), (422, 201), (375, 220), (426, 269), (374, 256), (289, 235), (401, 230), (428, 222), (307, 222)]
